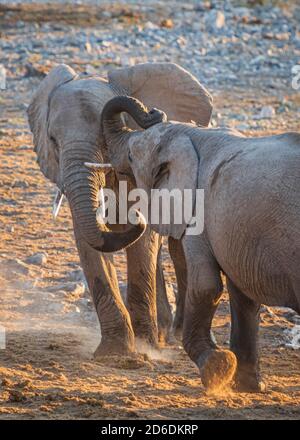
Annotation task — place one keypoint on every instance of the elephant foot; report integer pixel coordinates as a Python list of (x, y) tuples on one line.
[(246, 381), (148, 335), (217, 368), (163, 337), (164, 332), (113, 347)]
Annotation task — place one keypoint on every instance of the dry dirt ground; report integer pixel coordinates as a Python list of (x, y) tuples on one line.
[(47, 370)]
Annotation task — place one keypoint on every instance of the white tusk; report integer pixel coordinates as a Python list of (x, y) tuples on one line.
[(57, 203), (97, 165)]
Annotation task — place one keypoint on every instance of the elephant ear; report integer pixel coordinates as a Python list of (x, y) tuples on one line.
[(168, 87), (38, 112)]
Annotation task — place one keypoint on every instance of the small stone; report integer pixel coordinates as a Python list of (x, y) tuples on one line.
[(52, 347), (258, 59), (90, 70), (106, 14), (284, 36), (2, 77), (73, 310), (242, 127), (215, 20), (293, 337), (88, 47), (181, 41), (150, 25), (220, 20), (38, 259), (106, 44), (62, 377), (167, 23), (71, 288), (267, 112), (203, 6), (76, 275)]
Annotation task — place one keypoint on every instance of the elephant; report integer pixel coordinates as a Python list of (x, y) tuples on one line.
[(251, 230), (64, 117)]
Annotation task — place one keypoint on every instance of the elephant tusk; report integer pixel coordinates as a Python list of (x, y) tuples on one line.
[(97, 165), (59, 196)]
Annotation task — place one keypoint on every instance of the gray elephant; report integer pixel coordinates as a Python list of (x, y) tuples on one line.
[(64, 116), (251, 226)]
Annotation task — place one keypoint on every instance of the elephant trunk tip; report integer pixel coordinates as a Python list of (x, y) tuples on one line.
[(156, 116), (139, 225), (135, 217), (115, 241)]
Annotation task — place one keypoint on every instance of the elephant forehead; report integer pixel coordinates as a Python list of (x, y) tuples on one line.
[(144, 143), (94, 92)]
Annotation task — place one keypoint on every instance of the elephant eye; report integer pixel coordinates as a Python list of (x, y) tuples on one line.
[(129, 156), (160, 172)]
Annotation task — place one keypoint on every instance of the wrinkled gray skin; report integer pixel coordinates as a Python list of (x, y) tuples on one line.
[(251, 232), (64, 116)]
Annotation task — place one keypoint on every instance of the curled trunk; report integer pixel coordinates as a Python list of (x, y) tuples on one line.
[(81, 187), (115, 131)]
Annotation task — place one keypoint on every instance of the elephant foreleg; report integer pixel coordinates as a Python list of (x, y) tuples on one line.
[(164, 313), (178, 258), (217, 367), (116, 330), (243, 339), (141, 286)]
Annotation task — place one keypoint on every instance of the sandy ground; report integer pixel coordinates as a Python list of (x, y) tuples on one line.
[(47, 370)]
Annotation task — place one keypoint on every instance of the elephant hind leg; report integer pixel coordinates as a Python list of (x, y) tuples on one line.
[(217, 366), (243, 339)]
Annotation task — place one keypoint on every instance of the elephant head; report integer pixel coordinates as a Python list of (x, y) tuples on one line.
[(162, 157), (65, 135), (65, 118)]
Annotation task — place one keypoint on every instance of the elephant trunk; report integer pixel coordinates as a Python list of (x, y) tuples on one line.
[(115, 131), (81, 188)]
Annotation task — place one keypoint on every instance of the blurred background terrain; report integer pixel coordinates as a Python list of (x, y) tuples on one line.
[(244, 53)]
